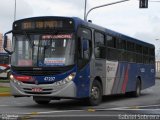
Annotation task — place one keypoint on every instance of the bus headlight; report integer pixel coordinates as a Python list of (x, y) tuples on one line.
[(70, 77), (66, 80), (14, 80), (11, 77)]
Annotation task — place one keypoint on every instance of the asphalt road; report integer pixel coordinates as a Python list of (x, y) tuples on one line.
[(145, 107)]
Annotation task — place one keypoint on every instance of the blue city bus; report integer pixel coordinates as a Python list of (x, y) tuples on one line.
[(4, 65), (69, 58)]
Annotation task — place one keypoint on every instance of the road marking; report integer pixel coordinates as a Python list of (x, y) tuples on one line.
[(91, 110), (34, 113), (149, 106), (130, 108), (78, 115), (4, 105), (47, 112)]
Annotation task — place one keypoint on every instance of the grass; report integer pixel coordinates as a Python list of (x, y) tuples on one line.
[(4, 89), (4, 80)]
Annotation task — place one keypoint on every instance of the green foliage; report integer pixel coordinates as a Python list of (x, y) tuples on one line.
[(4, 89)]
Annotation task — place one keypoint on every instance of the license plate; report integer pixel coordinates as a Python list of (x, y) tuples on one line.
[(37, 89)]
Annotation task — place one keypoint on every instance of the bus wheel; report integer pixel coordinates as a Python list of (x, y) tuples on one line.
[(96, 93), (40, 101), (137, 92)]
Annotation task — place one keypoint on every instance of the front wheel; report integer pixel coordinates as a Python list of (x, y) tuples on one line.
[(96, 94)]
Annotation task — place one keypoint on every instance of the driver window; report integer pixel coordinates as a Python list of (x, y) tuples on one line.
[(84, 46)]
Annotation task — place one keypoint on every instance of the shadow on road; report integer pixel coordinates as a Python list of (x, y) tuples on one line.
[(80, 104)]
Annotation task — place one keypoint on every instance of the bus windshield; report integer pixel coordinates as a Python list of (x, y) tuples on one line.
[(43, 50)]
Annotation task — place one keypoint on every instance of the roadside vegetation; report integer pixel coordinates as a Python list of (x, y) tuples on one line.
[(4, 89)]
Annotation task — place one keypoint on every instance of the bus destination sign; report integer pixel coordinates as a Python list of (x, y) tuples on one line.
[(43, 24)]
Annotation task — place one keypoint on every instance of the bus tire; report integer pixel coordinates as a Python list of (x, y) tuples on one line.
[(41, 101), (96, 94), (137, 92)]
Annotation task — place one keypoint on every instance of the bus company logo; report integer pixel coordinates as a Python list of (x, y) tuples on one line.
[(142, 70), (152, 70), (109, 68)]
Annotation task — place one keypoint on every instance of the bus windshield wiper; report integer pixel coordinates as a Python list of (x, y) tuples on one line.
[(28, 39)]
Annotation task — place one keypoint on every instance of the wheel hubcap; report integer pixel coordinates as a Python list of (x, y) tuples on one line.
[(138, 90), (95, 93)]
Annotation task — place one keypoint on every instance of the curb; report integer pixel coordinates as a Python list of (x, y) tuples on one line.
[(5, 94)]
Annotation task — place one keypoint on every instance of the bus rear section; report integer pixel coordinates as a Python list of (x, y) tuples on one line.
[(124, 77)]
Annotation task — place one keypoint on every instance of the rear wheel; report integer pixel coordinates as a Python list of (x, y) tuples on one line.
[(41, 101), (137, 92), (96, 94)]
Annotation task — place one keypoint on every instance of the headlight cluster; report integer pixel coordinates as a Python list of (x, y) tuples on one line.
[(15, 81), (66, 80)]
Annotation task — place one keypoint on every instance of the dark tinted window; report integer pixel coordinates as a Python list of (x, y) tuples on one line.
[(121, 44), (100, 48), (130, 46), (138, 48), (151, 52), (113, 54), (85, 33), (145, 50), (111, 41), (99, 39)]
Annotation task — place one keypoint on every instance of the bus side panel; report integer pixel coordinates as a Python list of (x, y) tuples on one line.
[(124, 78), (83, 82), (148, 75), (133, 72), (152, 75), (98, 71)]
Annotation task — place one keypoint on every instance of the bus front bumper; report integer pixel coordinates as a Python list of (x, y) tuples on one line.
[(20, 89)]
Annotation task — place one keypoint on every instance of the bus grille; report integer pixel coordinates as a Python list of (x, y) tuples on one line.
[(42, 71), (45, 91), (39, 73)]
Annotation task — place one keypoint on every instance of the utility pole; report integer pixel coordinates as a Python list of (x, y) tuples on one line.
[(15, 9), (85, 8), (86, 14)]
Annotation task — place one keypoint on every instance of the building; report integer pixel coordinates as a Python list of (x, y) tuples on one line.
[(1, 44), (158, 66)]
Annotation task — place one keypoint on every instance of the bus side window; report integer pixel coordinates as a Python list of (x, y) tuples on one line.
[(100, 48), (84, 46), (85, 49)]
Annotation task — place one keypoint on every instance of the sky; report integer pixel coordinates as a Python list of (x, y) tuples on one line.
[(126, 18)]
